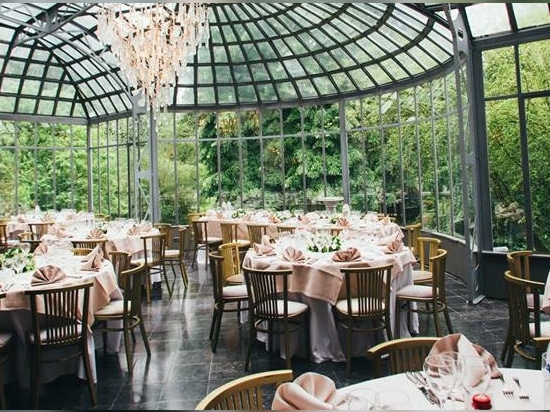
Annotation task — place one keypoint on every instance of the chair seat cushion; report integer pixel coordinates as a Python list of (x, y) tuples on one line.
[(294, 308), (342, 306), (415, 291), (531, 300), (235, 291), (171, 254), (112, 309)]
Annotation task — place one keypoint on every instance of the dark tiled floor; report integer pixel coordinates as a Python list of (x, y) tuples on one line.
[(182, 368)]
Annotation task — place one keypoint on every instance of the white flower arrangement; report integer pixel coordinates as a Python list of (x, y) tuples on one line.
[(324, 242)]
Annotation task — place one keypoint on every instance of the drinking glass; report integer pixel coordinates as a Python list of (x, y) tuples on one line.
[(460, 369), (392, 399), (361, 399), (440, 372)]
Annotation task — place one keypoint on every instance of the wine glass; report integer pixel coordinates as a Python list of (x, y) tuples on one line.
[(476, 378), (460, 369), (440, 372)]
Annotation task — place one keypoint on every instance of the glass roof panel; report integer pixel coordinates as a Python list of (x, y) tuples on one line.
[(487, 18), (257, 54), (531, 14)]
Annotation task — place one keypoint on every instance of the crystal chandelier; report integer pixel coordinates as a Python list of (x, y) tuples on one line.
[(152, 42)]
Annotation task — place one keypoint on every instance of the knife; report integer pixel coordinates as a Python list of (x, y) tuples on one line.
[(428, 395)]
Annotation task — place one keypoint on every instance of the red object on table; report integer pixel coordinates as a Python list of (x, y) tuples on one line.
[(481, 401)]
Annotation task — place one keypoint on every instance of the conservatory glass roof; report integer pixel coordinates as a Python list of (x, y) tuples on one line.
[(258, 54)]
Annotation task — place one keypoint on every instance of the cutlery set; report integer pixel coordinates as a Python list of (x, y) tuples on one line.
[(420, 382), (508, 392)]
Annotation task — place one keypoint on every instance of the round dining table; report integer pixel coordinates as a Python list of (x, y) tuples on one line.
[(531, 380)]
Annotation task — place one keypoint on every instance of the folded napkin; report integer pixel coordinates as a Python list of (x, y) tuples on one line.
[(95, 234), (46, 217), (219, 215), (292, 254), (58, 231), (343, 221), (264, 248), (145, 227), (93, 260), (47, 274), (394, 246), (475, 357), (304, 220), (247, 217), (383, 241), (133, 230), (41, 249), (273, 219), (21, 218), (348, 255), (309, 391), (385, 220)]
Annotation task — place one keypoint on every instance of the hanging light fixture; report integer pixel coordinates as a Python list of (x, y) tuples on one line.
[(152, 42)]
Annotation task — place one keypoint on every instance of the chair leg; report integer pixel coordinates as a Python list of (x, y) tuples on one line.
[(184, 276), (448, 320), (165, 276), (348, 351), (397, 320), (217, 327), (435, 312), (251, 336), (88, 370), (148, 285), (144, 337), (128, 348), (506, 346), (35, 380)]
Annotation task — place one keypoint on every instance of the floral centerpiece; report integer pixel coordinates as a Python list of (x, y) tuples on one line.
[(324, 242), (237, 213)]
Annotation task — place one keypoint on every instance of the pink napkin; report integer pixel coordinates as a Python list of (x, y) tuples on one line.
[(41, 249), (93, 260), (304, 220), (220, 215), (476, 356), (246, 218), (309, 391), (133, 230), (47, 274), (95, 234), (273, 219), (385, 220), (391, 238), (265, 248), (349, 255), (394, 246), (292, 254), (21, 218), (46, 217), (145, 227), (343, 221), (58, 231)]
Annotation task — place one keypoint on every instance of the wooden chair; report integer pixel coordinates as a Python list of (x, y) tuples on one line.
[(29, 238), (525, 329), (6, 342), (175, 257), (4, 239), (285, 228), (227, 298), (366, 307), (230, 234), (126, 310), (232, 267), (268, 302), (426, 248), (203, 240), (59, 318), (518, 265), (191, 217), (400, 355), (153, 257), (256, 231), (433, 295), (246, 393), (101, 217), (413, 232)]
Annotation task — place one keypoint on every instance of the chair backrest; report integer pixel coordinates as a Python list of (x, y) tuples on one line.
[(39, 228), (121, 261), (518, 263), (438, 266), (402, 354), (200, 231), (130, 282), (216, 270), (282, 228), (246, 393), (368, 291), (165, 228), (413, 232), (267, 289), (427, 247), (255, 232), (91, 244), (154, 249), (59, 313), (182, 240), (3, 235), (192, 216), (81, 251), (232, 261), (101, 217), (229, 232)]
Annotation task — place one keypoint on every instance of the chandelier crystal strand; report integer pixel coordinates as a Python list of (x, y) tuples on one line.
[(152, 43)]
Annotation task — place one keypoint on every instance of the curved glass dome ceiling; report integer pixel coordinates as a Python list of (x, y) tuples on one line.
[(259, 54)]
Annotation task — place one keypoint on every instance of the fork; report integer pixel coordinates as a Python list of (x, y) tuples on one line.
[(521, 394), (506, 390)]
